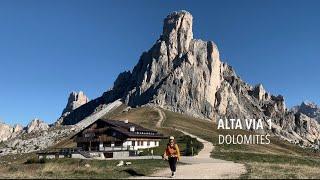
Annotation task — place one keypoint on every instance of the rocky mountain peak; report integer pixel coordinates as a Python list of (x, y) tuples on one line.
[(310, 109), (309, 104), (7, 131), (178, 73), (75, 100), (37, 125), (177, 33), (185, 75), (260, 93), (17, 128)]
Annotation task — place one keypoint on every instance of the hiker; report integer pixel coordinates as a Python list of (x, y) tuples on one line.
[(172, 154)]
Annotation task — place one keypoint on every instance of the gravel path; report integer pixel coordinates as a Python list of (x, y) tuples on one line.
[(161, 119), (201, 166)]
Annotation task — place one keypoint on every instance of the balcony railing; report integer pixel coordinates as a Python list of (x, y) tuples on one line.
[(102, 138), (117, 148)]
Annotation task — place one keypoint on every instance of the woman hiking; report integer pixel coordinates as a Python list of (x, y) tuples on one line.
[(172, 153)]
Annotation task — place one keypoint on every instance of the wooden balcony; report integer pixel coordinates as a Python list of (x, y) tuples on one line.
[(117, 148), (102, 138), (99, 130)]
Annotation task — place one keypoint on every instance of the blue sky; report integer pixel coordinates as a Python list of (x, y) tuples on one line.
[(49, 48)]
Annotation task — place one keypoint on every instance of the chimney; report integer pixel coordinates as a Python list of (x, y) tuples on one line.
[(132, 129)]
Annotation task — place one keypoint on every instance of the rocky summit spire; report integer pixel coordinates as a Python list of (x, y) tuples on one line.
[(75, 100), (178, 73), (177, 32)]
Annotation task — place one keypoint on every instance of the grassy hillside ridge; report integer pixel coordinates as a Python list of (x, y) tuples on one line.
[(148, 117)]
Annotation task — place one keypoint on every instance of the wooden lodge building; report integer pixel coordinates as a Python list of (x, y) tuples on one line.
[(107, 139), (115, 135)]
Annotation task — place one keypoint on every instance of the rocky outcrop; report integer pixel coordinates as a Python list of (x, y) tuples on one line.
[(35, 141), (7, 132), (308, 108), (75, 100), (260, 93), (37, 125), (17, 128), (307, 127)]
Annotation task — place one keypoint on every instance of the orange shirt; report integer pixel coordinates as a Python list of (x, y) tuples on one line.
[(172, 151)]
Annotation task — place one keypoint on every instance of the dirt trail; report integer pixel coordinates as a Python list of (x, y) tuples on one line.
[(161, 119), (201, 166)]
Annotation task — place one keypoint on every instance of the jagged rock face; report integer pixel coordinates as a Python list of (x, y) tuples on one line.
[(38, 140), (75, 100), (307, 127), (17, 128), (308, 108), (260, 93), (178, 73), (37, 125), (5, 132), (8, 132), (177, 34)]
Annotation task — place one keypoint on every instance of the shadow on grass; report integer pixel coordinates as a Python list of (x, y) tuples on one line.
[(133, 172)]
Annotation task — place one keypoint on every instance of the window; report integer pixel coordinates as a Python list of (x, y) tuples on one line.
[(107, 144), (88, 135), (133, 143), (118, 143), (148, 143)]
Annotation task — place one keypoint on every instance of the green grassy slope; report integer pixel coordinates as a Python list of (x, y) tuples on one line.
[(148, 118)]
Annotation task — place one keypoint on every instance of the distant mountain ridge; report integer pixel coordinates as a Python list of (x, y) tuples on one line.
[(9, 132), (310, 109)]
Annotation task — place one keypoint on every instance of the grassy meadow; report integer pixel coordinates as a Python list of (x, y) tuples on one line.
[(77, 168)]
